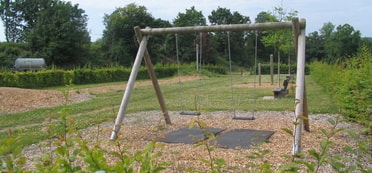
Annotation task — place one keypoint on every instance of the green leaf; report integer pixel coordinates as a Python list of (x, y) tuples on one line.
[(220, 162), (314, 154), (352, 134), (309, 166), (304, 118), (288, 131), (254, 155), (347, 148), (369, 170), (339, 130), (338, 166), (331, 121), (325, 132), (290, 167), (352, 168), (204, 161), (324, 144), (323, 158)]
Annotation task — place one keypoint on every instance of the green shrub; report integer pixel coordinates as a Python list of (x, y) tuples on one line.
[(27, 80), (215, 69), (265, 69), (350, 85), (8, 79), (50, 78), (355, 90), (58, 77)]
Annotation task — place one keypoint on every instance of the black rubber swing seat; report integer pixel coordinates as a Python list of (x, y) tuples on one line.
[(243, 118), (189, 113)]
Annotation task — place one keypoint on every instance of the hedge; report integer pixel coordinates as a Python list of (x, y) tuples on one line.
[(57, 77), (265, 69), (350, 85)]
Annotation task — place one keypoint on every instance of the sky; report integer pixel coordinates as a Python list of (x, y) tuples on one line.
[(356, 13)]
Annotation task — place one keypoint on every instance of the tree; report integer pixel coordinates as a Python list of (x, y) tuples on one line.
[(333, 44), (12, 21), (157, 45), (315, 47), (119, 39), (265, 17), (327, 30), (238, 41), (281, 40), (9, 51), (223, 16), (367, 42), (60, 34), (55, 30), (263, 52), (344, 42), (186, 42)]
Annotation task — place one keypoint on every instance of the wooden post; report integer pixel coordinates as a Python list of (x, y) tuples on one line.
[(279, 69), (306, 114), (272, 69), (299, 99), (154, 80), (129, 88), (296, 32), (259, 74), (197, 57)]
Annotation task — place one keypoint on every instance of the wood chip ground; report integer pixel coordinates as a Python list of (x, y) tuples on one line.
[(142, 127)]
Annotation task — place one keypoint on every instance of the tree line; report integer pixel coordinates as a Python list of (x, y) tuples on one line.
[(57, 31)]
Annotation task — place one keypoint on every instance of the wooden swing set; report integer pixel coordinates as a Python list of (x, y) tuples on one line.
[(298, 28)]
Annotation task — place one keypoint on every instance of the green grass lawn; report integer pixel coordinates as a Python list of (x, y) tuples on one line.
[(211, 93)]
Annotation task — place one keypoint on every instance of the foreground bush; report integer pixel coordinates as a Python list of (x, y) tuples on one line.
[(350, 85)]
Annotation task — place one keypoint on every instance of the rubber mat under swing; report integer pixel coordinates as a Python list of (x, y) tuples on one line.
[(243, 138), (189, 135)]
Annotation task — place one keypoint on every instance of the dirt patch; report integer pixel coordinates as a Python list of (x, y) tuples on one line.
[(14, 100)]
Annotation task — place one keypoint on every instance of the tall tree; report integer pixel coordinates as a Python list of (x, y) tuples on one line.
[(157, 46), (186, 42), (223, 16), (367, 42), (281, 40), (333, 44), (10, 14), (263, 52), (344, 42), (60, 34), (55, 30), (314, 47), (327, 30), (119, 40)]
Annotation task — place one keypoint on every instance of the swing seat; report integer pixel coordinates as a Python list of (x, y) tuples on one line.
[(243, 118), (189, 113)]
